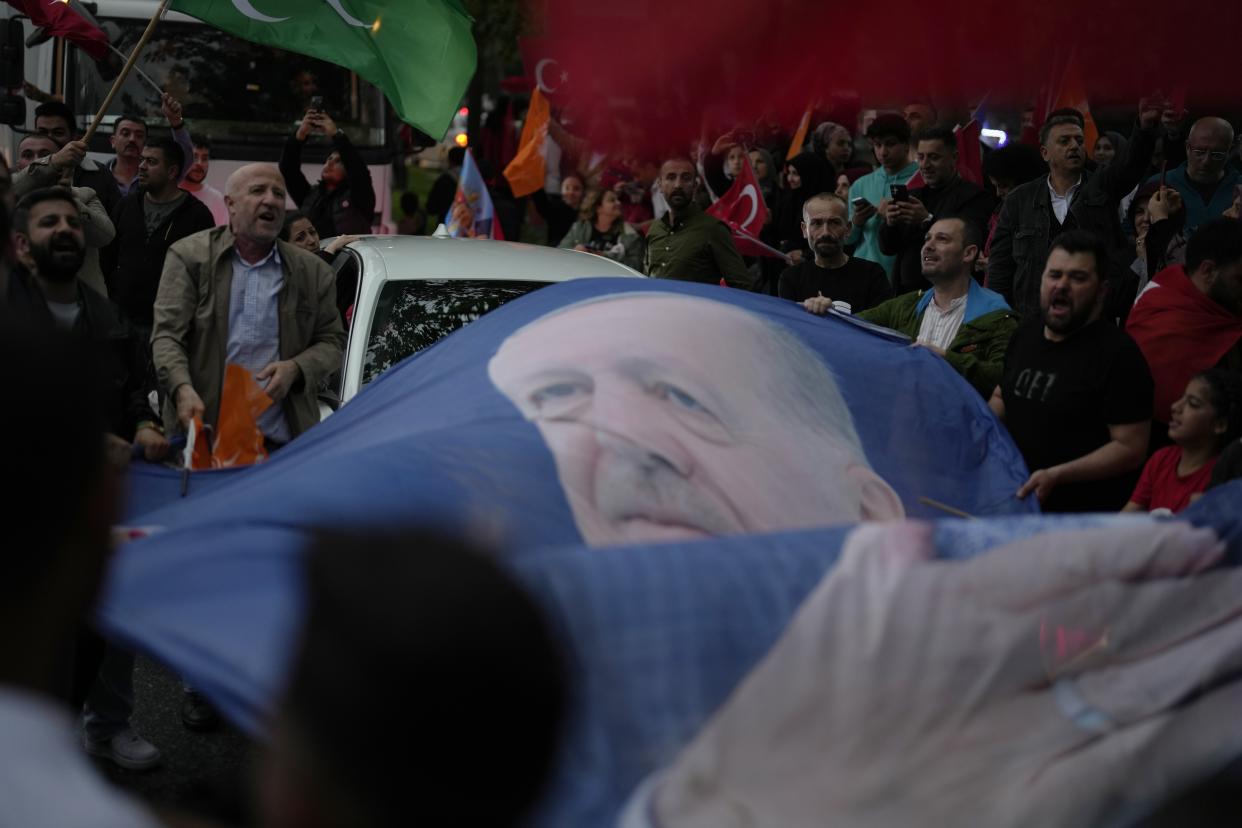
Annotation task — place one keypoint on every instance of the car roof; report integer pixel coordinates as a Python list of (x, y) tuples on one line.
[(402, 258)]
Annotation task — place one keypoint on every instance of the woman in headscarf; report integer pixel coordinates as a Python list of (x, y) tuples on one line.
[(834, 144), (806, 175), (1107, 147)]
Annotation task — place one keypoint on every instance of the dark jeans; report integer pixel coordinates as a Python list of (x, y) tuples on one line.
[(111, 700)]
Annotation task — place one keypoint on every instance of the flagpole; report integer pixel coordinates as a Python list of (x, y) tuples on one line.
[(129, 65)]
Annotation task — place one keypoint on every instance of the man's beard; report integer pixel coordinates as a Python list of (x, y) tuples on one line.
[(53, 261), (678, 199), (196, 175)]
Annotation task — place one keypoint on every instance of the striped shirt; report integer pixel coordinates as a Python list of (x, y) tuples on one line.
[(939, 327)]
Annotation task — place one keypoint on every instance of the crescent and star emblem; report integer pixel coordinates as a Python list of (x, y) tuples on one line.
[(749, 192), (247, 8), (541, 83)]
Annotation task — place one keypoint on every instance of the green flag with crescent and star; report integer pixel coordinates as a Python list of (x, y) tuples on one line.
[(421, 53)]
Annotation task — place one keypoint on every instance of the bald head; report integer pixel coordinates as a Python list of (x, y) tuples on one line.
[(1207, 150), (255, 195), (242, 175), (1213, 129)]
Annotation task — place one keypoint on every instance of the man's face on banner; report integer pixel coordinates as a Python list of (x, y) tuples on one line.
[(674, 417)]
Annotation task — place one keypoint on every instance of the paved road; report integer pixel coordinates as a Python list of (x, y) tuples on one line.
[(204, 773)]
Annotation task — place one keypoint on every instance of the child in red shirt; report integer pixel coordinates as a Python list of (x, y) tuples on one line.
[(1205, 420)]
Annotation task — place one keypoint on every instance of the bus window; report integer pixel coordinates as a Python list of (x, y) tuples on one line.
[(235, 91)]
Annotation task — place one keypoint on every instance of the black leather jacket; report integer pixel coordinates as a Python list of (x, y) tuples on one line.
[(1025, 231)]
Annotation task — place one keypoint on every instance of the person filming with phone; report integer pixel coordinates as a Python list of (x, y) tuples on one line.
[(343, 202), (870, 195), (910, 213)]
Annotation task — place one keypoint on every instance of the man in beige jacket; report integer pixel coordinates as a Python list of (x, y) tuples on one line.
[(237, 295)]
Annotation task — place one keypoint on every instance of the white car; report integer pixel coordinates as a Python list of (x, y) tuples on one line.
[(408, 292)]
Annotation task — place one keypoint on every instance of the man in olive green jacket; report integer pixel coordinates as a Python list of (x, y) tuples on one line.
[(238, 295), (967, 325)]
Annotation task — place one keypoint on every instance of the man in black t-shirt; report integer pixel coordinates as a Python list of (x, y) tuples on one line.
[(832, 276), (1076, 394)]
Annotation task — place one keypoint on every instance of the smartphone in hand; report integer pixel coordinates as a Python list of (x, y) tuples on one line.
[(899, 192), (861, 203)]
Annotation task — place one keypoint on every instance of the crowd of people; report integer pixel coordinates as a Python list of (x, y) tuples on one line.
[(1080, 290), (1094, 303)]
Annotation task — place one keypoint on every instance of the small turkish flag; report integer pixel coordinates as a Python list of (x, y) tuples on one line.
[(742, 208)]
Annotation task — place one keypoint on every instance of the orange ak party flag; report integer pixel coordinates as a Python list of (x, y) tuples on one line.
[(800, 136), (527, 170), (1073, 92), (238, 440)]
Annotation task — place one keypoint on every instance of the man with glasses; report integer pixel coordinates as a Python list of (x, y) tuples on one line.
[(1206, 181)]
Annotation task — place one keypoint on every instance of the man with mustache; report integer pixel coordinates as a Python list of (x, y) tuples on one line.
[(237, 295), (653, 444), (686, 243), (50, 241), (148, 221), (1069, 198), (1076, 393), (833, 275), (129, 139)]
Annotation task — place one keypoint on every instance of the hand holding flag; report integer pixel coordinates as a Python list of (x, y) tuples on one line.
[(743, 209)]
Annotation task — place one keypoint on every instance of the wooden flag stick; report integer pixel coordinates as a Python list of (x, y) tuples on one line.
[(944, 507), (129, 66)]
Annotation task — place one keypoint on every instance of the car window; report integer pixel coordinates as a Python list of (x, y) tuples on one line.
[(412, 315)]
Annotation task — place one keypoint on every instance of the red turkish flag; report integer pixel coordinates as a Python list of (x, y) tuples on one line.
[(969, 152), (543, 71), (61, 20), (742, 208)]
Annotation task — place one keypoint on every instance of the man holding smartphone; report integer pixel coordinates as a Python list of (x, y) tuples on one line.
[(944, 194), (870, 195), (343, 202)]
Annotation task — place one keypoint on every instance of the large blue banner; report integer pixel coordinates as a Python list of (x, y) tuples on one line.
[(647, 415)]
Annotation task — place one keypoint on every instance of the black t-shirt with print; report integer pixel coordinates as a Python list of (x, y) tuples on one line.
[(1061, 397), (861, 283)]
